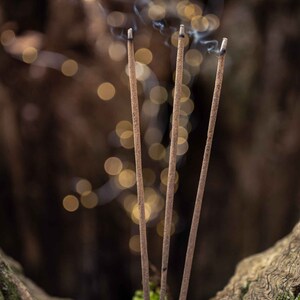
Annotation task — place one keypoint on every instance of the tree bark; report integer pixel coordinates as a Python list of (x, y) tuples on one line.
[(14, 285), (273, 274)]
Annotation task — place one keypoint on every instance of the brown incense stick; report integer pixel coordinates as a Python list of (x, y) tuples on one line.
[(138, 164), (172, 164), (203, 174)]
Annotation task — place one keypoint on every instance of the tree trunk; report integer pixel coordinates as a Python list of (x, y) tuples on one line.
[(14, 285), (273, 274)]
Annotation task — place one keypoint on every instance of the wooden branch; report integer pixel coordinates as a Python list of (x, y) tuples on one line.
[(271, 275), (15, 286)]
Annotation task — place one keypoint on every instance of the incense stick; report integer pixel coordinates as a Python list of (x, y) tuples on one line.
[(203, 174), (172, 164), (138, 164)]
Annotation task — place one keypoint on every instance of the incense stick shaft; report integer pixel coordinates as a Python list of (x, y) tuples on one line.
[(203, 175), (172, 165), (138, 163)]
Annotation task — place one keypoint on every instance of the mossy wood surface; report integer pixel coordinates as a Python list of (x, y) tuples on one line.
[(14, 285), (271, 275)]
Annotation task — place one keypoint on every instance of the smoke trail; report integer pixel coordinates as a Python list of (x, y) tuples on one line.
[(167, 16)]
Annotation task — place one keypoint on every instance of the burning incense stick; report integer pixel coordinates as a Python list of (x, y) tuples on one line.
[(203, 174), (172, 164), (138, 163)]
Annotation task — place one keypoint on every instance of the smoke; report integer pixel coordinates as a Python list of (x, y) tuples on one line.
[(200, 19)]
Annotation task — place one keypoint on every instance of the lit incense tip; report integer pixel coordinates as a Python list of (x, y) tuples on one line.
[(181, 31), (130, 34), (223, 46)]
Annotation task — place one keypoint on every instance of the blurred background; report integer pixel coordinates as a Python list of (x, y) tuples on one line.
[(67, 183)]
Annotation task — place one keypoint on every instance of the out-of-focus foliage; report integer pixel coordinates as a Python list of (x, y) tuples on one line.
[(154, 293)]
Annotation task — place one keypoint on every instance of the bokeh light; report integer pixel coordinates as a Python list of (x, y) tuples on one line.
[(134, 244), (116, 19), (156, 11), (150, 109), (126, 178), (164, 176), (143, 72), (193, 57), (187, 107), (7, 37), (126, 139), (154, 200), (135, 215), (157, 151), (106, 91), (123, 126), (185, 93), (144, 56), (89, 199), (129, 202), (182, 133), (125, 133), (70, 203), (158, 94), (200, 23), (182, 147), (213, 20), (113, 166), (29, 55), (117, 51), (186, 77), (174, 39), (83, 186), (187, 10), (160, 228), (69, 67)]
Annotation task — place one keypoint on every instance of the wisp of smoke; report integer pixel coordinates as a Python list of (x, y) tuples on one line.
[(171, 21)]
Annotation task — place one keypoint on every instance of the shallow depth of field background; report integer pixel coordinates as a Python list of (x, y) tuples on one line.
[(67, 208)]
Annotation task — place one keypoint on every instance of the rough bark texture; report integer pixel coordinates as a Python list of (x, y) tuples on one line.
[(273, 274), (14, 285)]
